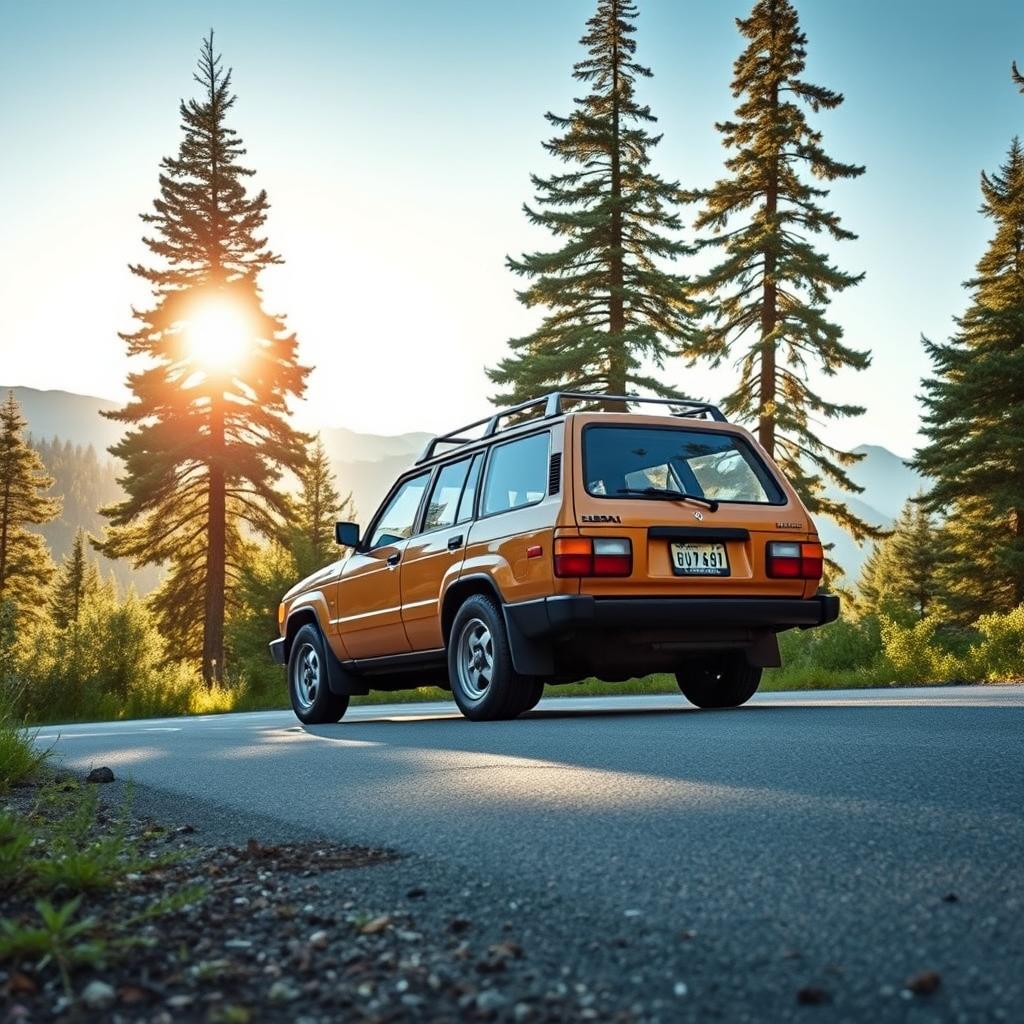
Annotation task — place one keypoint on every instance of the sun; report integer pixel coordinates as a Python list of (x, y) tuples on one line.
[(218, 336)]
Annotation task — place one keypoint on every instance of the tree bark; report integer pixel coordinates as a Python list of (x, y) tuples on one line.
[(769, 306), (616, 273), (4, 520), (1018, 584), (213, 623)]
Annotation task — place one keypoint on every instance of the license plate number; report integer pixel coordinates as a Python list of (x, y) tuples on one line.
[(700, 560)]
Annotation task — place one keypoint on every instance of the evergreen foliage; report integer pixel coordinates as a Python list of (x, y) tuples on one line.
[(770, 290), (611, 304), (77, 579), (318, 508), (906, 569), (25, 564), (208, 439), (974, 411), (86, 483)]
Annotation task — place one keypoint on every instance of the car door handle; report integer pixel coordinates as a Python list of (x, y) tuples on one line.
[(394, 559), (454, 543)]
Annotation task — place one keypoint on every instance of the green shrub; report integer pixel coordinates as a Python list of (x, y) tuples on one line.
[(917, 654), (998, 656)]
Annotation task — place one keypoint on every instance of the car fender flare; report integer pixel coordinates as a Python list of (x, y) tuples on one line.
[(339, 679)]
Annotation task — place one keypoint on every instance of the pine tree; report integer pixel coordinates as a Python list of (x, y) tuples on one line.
[(611, 304), (209, 439), (906, 568), (319, 507), (974, 411), (77, 579), (771, 288), (872, 584), (25, 564)]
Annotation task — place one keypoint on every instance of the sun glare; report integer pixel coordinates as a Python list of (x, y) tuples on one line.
[(218, 336)]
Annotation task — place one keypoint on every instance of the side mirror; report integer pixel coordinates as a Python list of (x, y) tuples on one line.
[(347, 534)]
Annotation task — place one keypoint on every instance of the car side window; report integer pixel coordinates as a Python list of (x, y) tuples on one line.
[(517, 474), (444, 498), (398, 519), (468, 499)]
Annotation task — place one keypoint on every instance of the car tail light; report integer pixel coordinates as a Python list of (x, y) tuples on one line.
[(593, 556), (794, 560), (574, 556)]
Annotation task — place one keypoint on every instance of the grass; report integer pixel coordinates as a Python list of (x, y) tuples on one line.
[(63, 852), (20, 759)]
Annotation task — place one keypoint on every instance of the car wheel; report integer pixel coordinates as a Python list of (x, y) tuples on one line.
[(312, 699), (725, 682), (484, 683)]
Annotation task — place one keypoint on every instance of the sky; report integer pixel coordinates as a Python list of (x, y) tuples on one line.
[(395, 140)]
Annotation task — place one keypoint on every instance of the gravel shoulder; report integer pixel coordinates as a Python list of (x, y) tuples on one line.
[(291, 927)]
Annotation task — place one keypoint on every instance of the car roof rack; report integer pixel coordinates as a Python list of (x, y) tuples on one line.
[(551, 404)]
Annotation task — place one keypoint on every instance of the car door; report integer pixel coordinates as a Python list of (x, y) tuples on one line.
[(369, 607), (433, 558)]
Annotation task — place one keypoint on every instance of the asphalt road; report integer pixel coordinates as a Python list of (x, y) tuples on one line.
[(706, 865)]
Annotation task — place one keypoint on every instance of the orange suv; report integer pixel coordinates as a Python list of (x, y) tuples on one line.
[(546, 544)]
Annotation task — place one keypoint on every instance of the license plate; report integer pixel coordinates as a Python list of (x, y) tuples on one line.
[(700, 560)]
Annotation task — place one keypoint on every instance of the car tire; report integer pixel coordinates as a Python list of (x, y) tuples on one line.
[(725, 682), (485, 684), (311, 696)]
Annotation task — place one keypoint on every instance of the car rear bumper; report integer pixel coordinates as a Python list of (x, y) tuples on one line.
[(277, 651), (553, 616)]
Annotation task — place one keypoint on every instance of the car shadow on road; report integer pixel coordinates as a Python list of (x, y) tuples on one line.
[(893, 753)]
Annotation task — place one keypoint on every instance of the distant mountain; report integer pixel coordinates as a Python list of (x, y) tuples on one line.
[(886, 478), (71, 417), (888, 482), (367, 464)]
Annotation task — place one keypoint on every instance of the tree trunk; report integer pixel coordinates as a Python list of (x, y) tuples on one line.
[(4, 519), (769, 306), (616, 275), (213, 624), (1018, 583)]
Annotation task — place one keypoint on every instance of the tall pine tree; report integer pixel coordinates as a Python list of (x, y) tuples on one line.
[(770, 289), (974, 410), (612, 306), (25, 563), (318, 508), (209, 436)]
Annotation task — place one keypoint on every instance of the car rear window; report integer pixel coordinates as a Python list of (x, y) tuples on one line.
[(704, 463)]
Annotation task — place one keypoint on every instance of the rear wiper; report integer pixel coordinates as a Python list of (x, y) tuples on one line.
[(669, 495)]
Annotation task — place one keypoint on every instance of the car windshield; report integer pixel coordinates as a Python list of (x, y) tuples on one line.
[(621, 459)]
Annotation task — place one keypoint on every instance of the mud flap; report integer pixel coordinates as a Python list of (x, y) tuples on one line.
[(530, 656), (764, 651), (341, 682)]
